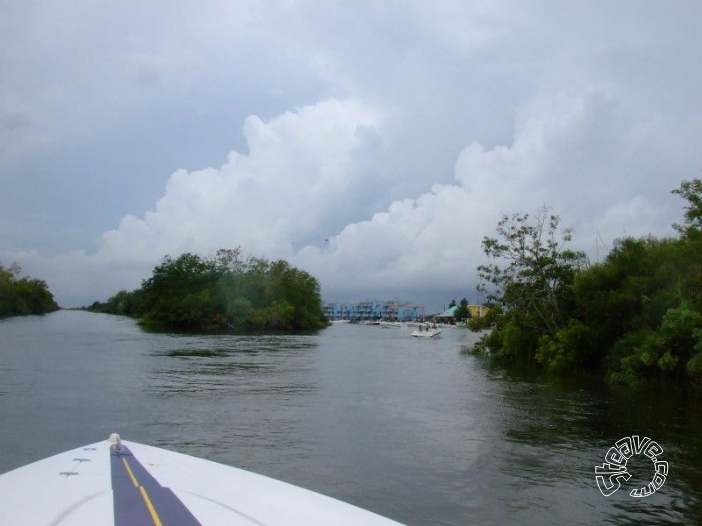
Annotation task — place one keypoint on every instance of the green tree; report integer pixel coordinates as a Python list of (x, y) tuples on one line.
[(532, 279), (23, 296), (638, 314), (225, 292), (691, 191), (178, 293), (462, 311), (7, 292), (643, 305)]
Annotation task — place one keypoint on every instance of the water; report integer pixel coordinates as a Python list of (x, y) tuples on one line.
[(408, 428)]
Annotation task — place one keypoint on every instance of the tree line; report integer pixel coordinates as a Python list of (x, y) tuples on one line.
[(222, 293), (637, 315), (23, 296)]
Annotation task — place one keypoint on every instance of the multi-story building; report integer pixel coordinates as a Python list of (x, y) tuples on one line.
[(374, 310)]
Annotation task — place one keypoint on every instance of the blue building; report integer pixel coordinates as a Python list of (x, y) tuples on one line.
[(374, 310)]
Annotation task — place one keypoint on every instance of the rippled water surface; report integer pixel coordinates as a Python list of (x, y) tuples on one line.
[(408, 428)]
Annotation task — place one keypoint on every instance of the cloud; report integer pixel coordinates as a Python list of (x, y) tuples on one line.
[(432, 243), (307, 174), (302, 189)]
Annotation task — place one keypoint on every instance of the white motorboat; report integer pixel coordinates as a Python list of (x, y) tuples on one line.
[(426, 332), (124, 483), (390, 325)]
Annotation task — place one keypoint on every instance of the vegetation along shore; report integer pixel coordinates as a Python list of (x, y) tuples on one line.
[(637, 315), (21, 296), (223, 293)]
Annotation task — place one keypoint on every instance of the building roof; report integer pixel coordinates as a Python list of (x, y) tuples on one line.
[(448, 313)]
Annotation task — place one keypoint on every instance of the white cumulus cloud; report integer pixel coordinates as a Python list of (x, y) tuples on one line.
[(301, 193)]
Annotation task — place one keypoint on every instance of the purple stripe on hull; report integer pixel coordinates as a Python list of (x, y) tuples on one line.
[(129, 504)]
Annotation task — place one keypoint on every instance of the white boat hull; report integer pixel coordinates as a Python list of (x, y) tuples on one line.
[(426, 333), (144, 485)]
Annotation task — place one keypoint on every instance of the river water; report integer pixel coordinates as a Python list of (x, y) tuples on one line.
[(409, 428)]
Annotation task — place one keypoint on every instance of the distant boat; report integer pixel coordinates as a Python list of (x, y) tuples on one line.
[(425, 332), (390, 325)]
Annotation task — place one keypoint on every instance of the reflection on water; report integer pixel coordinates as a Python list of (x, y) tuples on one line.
[(233, 366), (410, 429), (555, 432), (197, 353)]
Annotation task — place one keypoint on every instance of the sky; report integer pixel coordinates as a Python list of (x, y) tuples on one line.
[(371, 144)]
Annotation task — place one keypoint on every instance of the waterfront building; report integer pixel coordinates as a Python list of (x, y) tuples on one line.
[(372, 310), (478, 311), (449, 315)]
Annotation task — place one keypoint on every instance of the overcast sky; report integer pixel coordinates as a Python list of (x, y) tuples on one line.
[(372, 144)]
